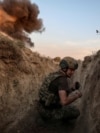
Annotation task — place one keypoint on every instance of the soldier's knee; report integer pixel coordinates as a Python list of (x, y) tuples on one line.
[(77, 113)]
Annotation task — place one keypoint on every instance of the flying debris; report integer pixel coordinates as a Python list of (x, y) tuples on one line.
[(97, 31)]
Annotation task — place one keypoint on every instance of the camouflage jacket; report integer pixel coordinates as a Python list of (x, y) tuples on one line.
[(45, 96)]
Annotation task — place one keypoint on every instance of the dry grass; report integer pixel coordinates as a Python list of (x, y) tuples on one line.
[(10, 51)]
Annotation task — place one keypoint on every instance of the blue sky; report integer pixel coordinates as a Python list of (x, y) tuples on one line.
[(70, 28)]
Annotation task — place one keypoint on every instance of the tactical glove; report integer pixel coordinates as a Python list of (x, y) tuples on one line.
[(77, 85)]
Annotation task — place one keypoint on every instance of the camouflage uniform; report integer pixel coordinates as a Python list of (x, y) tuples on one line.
[(49, 107), (64, 113)]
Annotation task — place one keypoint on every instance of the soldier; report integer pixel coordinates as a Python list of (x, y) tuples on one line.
[(54, 95)]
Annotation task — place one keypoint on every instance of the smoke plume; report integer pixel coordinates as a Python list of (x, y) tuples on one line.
[(18, 18)]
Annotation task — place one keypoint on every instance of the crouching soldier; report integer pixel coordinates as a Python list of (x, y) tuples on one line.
[(54, 95)]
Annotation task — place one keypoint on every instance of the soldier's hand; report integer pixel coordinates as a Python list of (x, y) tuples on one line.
[(78, 94)]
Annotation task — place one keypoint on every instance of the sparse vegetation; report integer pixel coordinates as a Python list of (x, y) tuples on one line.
[(57, 59), (87, 60)]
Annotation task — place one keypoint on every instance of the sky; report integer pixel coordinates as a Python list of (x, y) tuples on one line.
[(70, 28)]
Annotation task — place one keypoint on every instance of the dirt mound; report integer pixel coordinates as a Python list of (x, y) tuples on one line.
[(21, 73)]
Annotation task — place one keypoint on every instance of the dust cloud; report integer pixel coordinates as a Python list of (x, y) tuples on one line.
[(19, 18)]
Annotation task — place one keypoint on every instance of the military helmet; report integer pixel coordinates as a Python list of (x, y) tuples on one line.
[(68, 62)]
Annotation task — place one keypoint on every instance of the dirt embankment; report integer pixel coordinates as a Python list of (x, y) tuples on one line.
[(21, 74), (89, 120)]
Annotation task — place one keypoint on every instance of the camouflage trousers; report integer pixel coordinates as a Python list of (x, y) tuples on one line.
[(68, 112)]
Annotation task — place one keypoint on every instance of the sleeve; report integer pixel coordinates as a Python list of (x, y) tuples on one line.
[(63, 84)]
